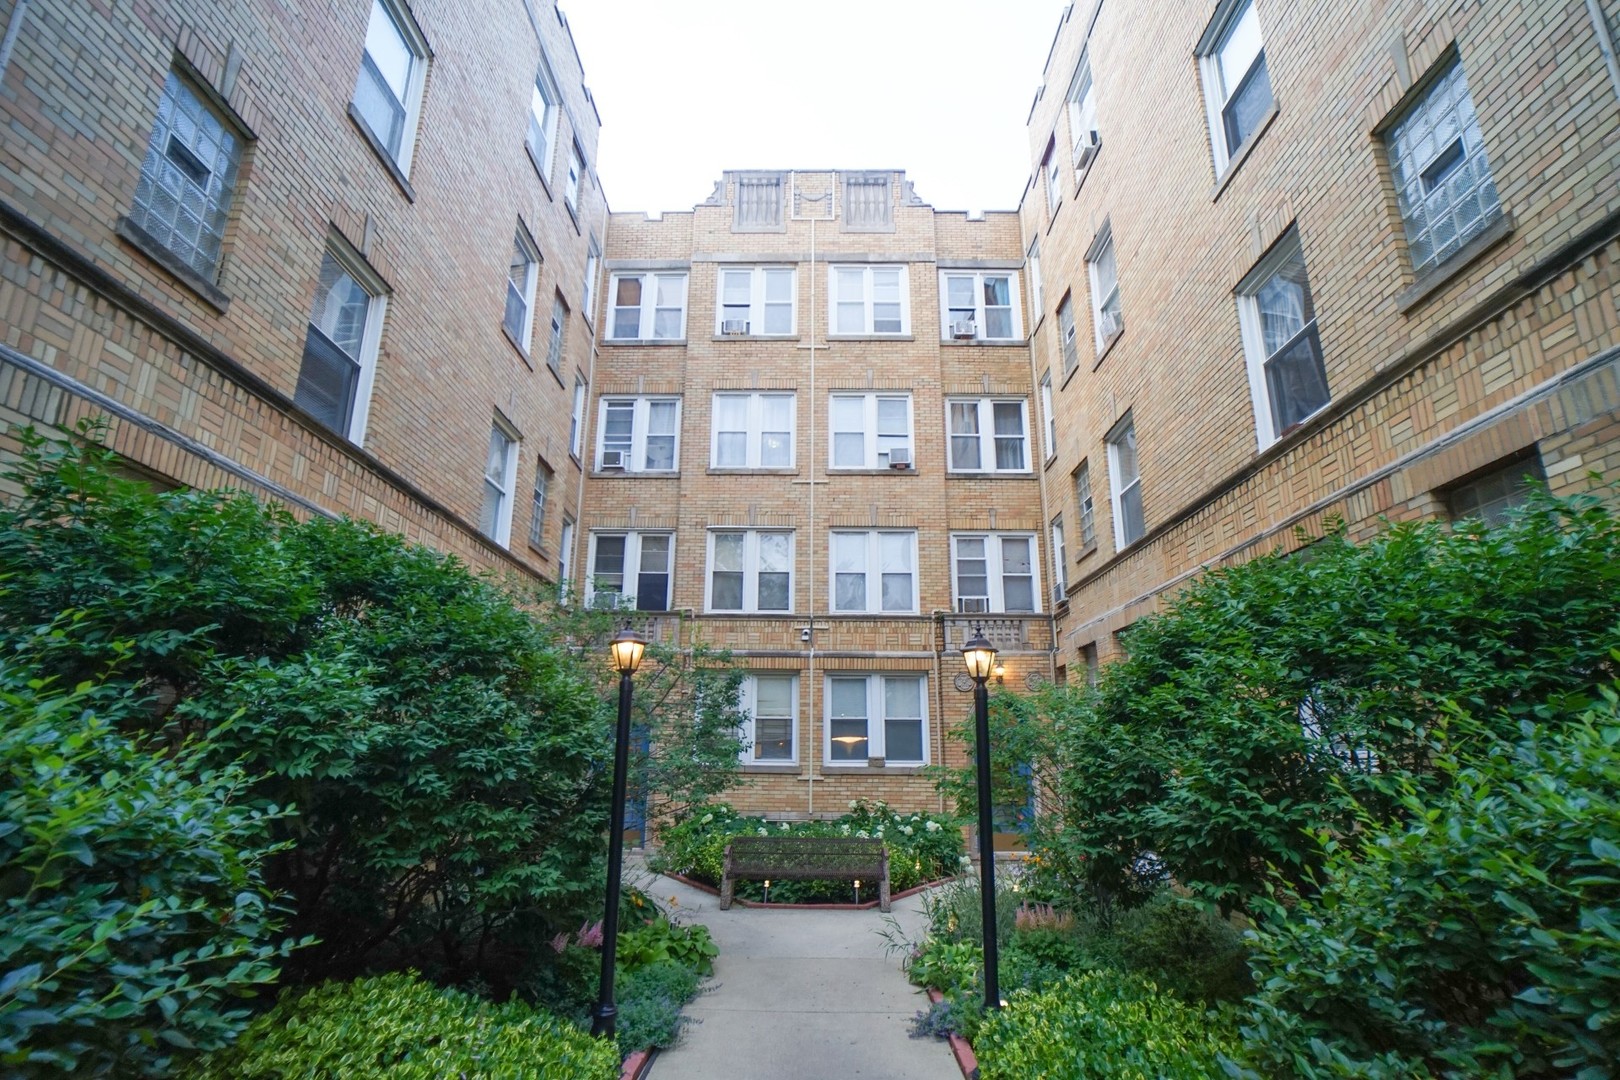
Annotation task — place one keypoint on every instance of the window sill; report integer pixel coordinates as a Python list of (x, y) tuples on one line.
[(853, 769), (988, 474), (1068, 375), (953, 343), (1437, 277), (908, 471), (1108, 347), (147, 245), (1083, 171), (729, 614), (521, 351), (1237, 160), (556, 373), (760, 769), (717, 471), (644, 341), (539, 551), (539, 170), (1049, 462), (382, 153), (870, 337), (636, 474), (1085, 553), (755, 337), (573, 215)]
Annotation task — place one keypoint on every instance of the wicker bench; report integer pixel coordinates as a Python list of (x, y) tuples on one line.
[(805, 858)]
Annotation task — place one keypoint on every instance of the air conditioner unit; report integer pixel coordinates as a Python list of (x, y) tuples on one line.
[(612, 459), (734, 327), (900, 458), (963, 329), (1110, 324), (1085, 149), (971, 605)]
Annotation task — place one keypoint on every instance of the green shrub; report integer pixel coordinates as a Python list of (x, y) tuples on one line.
[(650, 999), (658, 940), (1184, 947), (396, 1027), (1099, 1024), (133, 917)]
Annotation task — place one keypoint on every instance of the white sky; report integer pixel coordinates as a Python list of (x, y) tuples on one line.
[(689, 88)]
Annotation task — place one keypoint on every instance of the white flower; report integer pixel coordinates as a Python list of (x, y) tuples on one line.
[(844, 829), (785, 826), (707, 818), (906, 829), (964, 862), (879, 831), (853, 803), (764, 832), (932, 826), (863, 834)]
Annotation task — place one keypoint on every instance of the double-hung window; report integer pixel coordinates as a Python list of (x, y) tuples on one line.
[(980, 305), (1060, 569), (520, 278), (565, 555), (1442, 179), (869, 429), (630, 570), (1082, 109), (576, 176), (184, 194), (1054, 178), (1237, 86), (1086, 508), (994, 572), (874, 572), (1036, 297), (576, 419), (869, 300), (750, 570), (752, 431), (593, 266), (340, 350), (1071, 350), (500, 467), (1048, 416), (877, 716), (648, 307), (638, 434), (1278, 320), (537, 515), (545, 106), (559, 331), (388, 92), (755, 300), (770, 705), (1125, 483), (987, 435), (1106, 316)]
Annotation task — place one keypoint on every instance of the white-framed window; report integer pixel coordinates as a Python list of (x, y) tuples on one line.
[(868, 428), (521, 275), (500, 472), (877, 716), (593, 269), (979, 304), (1082, 110), (1032, 266), (639, 434), (537, 514), (340, 351), (1087, 509), (1054, 178), (1237, 86), (1125, 483), (648, 307), (1106, 316), (756, 300), (750, 570), (1071, 348), (630, 570), (1443, 181), (1060, 567), (545, 108), (752, 431), (1284, 354), (994, 572), (559, 331), (183, 198), (576, 419), (770, 707), (987, 434), (576, 175), (874, 572), (1048, 416), (388, 91), (565, 557), (869, 300)]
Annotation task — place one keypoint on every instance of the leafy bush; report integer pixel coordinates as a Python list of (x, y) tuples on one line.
[(659, 941), (1099, 1024), (1480, 938), (650, 998), (1182, 946), (133, 916), (400, 1028)]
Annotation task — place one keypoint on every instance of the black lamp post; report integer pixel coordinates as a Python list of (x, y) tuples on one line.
[(627, 648), (980, 657)]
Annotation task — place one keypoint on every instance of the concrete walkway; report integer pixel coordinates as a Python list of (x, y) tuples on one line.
[(800, 995)]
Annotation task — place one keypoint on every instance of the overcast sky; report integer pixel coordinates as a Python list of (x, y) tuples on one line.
[(689, 88)]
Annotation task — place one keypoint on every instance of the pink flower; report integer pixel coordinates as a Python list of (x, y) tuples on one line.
[(560, 942), (590, 935)]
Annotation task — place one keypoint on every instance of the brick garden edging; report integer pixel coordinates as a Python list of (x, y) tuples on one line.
[(865, 905), (635, 1066), (966, 1060)]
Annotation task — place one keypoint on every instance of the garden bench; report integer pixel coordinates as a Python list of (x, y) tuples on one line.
[(805, 858)]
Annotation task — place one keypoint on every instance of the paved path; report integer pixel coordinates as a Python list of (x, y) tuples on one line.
[(800, 995)]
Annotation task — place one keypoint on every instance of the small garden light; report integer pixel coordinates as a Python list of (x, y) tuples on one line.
[(627, 648)]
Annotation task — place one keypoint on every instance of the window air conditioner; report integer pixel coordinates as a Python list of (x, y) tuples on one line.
[(1110, 324), (734, 327), (612, 459), (971, 605), (1086, 149), (963, 329), (900, 458)]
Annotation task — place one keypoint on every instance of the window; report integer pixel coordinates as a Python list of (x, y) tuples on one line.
[(877, 716), (987, 435), (1125, 477), (184, 194), (1071, 351), (576, 419), (576, 173), (868, 201), (1105, 310), (1060, 568), (630, 570), (752, 431), (979, 305), (994, 572), (520, 279), (1088, 512), (388, 92), (868, 428), (1082, 108), (537, 516), (1048, 416), (593, 265), (1279, 339), (874, 572), (1054, 181), (869, 300), (495, 521), (756, 300), (1237, 86), (1491, 496), (340, 352), (759, 202), (1442, 179), (638, 434), (565, 555), (545, 105), (559, 330), (649, 307), (750, 570), (770, 705), (1033, 270)]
